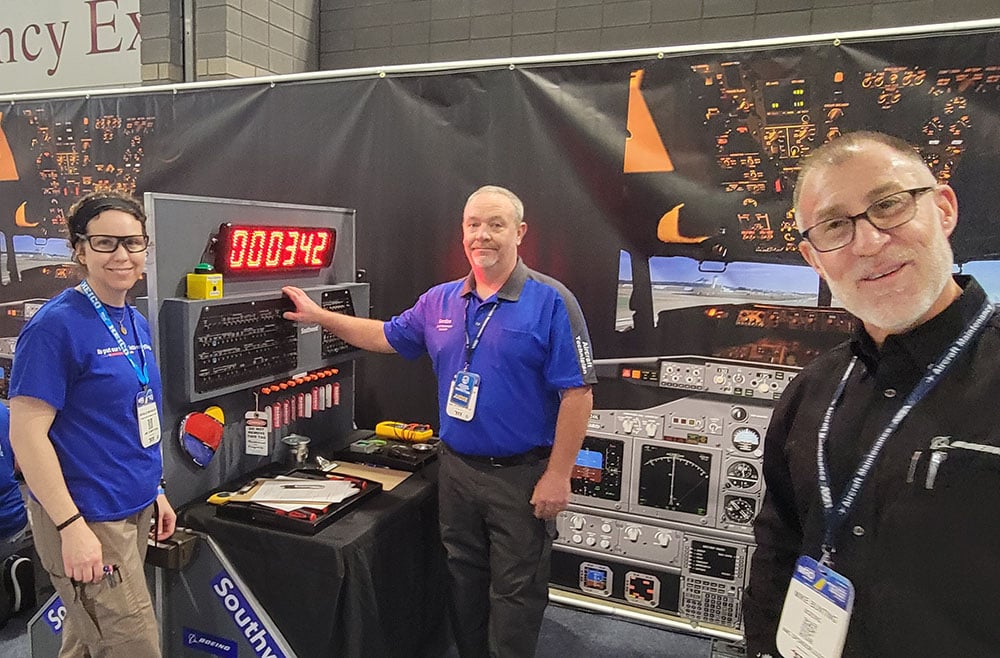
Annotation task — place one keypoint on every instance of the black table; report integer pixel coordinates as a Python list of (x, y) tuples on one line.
[(373, 583)]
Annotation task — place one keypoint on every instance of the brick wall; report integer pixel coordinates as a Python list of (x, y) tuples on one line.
[(232, 38), (381, 32), (242, 38), (162, 41)]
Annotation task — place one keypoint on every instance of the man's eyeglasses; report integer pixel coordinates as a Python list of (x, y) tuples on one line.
[(887, 213), (109, 243)]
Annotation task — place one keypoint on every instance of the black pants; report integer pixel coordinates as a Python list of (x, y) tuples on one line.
[(498, 556)]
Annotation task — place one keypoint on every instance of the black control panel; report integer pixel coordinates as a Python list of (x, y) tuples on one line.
[(243, 342), (338, 301), (612, 578)]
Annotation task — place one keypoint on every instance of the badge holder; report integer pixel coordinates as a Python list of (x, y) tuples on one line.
[(817, 611), (462, 395), (149, 418)]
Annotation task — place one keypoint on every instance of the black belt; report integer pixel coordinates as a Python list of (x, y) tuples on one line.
[(530, 457)]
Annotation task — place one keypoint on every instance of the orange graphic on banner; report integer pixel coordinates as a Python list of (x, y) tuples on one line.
[(668, 229), (8, 170), (644, 149), (21, 219)]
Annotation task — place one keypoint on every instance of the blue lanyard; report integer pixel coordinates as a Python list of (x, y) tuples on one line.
[(143, 372), (472, 343), (836, 516)]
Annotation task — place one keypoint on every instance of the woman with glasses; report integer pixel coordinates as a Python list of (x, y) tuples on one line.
[(85, 396)]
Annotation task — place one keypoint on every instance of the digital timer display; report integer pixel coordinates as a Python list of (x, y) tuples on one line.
[(249, 250)]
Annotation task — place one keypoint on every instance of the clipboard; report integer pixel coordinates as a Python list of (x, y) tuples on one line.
[(306, 520), (250, 492)]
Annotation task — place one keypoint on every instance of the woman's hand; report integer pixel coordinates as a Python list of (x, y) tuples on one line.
[(166, 520), (81, 553)]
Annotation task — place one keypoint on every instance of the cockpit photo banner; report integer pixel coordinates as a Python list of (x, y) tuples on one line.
[(658, 189)]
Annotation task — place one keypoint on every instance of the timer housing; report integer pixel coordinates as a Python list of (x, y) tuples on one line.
[(253, 249)]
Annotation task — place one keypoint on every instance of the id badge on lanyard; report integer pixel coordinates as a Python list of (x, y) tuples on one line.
[(463, 391), (462, 395), (149, 418), (816, 613), (145, 404)]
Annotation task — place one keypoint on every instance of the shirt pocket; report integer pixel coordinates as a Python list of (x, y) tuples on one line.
[(962, 465), (514, 348)]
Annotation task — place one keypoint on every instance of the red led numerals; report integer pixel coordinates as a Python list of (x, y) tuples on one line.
[(271, 249)]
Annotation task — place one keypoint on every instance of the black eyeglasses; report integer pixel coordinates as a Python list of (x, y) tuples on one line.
[(109, 243), (887, 213)]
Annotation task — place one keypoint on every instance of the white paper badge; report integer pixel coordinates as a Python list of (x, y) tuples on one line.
[(462, 395), (816, 613), (257, 429), (149, 418)]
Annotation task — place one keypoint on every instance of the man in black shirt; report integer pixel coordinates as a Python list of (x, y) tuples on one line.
[(898, 419)]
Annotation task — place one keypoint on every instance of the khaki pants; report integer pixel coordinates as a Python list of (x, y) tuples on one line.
[(103, 621)]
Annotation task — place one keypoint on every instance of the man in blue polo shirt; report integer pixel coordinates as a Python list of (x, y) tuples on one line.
[(514, 367)]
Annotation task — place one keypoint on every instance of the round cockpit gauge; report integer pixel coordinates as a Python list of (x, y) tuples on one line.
[(742, 475), (746, 439), (739, 509)]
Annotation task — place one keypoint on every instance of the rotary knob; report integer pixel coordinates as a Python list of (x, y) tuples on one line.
[(632, 533), (662, 539), (605, 544), (576, 522)]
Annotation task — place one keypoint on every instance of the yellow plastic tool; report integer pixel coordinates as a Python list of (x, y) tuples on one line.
[(405, 431)]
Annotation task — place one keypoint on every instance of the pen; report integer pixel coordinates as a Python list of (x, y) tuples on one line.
[(296, 514), (302, 486), (314, 510), (112, 574)]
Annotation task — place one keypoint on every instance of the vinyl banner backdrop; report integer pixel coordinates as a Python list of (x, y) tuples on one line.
[(657, 189)]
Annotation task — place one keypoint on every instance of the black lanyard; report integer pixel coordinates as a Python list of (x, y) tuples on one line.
[(836, 516)]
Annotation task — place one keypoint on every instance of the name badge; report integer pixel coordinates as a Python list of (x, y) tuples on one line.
[(149, 418), (816, 613), (462, 395)]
